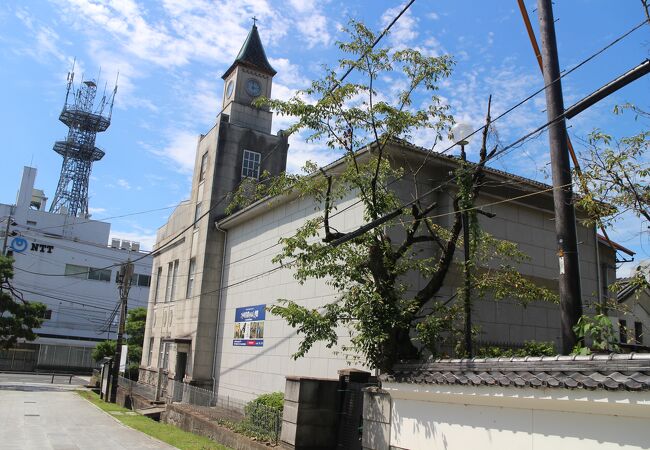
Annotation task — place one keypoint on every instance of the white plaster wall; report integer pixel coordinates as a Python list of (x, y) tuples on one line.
[(245, 372), (576, 421)]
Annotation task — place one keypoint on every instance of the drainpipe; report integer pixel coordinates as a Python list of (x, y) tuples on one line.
[(598, 274), (216, 331)]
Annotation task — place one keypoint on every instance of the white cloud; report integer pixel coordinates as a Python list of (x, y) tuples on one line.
[(121, 182), (180, 150), (311, 22), (404, 31), (46, 40), (300, 152)]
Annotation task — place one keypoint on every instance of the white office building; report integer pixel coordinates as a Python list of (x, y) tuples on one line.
[(67, 263)]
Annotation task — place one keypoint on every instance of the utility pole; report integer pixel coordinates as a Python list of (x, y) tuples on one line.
[(126, 271), (9, 223), (467, 302), (565, 222)]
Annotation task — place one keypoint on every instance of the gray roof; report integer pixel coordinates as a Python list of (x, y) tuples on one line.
[(611, 372), (252, 55)]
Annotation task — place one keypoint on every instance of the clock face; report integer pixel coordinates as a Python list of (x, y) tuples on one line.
[(229, 88), (253, 87)]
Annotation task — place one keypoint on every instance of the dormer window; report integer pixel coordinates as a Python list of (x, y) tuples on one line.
[(251, 164)]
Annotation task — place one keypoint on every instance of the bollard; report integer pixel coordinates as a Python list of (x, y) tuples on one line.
[(70, 380), (52, 382)]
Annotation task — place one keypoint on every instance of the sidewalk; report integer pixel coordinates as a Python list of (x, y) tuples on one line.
[(53, 417)]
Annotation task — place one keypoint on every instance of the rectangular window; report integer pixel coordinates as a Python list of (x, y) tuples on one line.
[(204, 166), (251, 164), (99, 274), (172, 295), (47, 315), (72, 270), (197, 214), (143, 280), (190, 278), (168, 284), (163, 357), (622, 331), (150, 355), (87, 273), (638, 333), (155, 292)]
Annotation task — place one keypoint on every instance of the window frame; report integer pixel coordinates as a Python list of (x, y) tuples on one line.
[(203, 167), (191, 274), (155, 292), (197, 214), (638, 333), (168, 284), (172, 295), (251, 164)]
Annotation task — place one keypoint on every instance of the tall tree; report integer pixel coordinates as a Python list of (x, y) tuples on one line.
[(378, 300), (18, 317)]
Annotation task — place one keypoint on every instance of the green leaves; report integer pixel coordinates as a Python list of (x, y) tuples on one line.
[(18, 317), (599, 330), (615, 175)]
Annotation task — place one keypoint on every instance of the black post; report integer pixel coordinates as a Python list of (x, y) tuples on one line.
[(565, 222), (466, 288), (125, 283)]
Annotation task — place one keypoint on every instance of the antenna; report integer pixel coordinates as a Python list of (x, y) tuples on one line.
[(78, 150)]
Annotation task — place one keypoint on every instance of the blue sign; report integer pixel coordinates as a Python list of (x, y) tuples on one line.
[(249, 326), (18, 244), (250, 313)]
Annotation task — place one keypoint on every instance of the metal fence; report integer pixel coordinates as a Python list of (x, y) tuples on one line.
[(133, 387), (247, 417), (65, 357)]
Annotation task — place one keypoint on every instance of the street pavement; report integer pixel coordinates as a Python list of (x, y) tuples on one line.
[(38, 415)]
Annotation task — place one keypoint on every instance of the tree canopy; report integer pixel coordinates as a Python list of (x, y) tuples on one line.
[(18, 317), (371, 268)]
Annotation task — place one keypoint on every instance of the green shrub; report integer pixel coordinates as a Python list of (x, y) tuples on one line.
[(263, 414), (103, 349), (530, 348)]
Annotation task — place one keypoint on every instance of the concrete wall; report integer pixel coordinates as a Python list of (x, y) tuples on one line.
[(451, 417)]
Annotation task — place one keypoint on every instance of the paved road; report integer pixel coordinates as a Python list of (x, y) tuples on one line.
[(38, 416)]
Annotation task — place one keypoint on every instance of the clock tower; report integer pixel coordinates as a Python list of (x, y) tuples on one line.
[(249, 77), (239, 147)]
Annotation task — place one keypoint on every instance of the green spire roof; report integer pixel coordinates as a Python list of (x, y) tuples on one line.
[(252, 55)]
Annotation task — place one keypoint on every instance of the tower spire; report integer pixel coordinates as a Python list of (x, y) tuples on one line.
[(252, 54), (84, 121)]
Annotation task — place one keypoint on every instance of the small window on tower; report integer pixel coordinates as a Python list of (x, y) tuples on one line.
[(197, 214), (251, 164), (204, 166)]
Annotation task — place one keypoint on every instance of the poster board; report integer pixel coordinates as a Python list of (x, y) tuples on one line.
[(249, 326)]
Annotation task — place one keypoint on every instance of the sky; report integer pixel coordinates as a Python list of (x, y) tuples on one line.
[(170, 55)]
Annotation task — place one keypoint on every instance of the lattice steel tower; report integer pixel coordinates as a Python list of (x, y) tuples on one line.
[(79, 150)]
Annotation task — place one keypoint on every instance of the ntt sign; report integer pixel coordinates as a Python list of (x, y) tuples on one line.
[(20, 245)]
